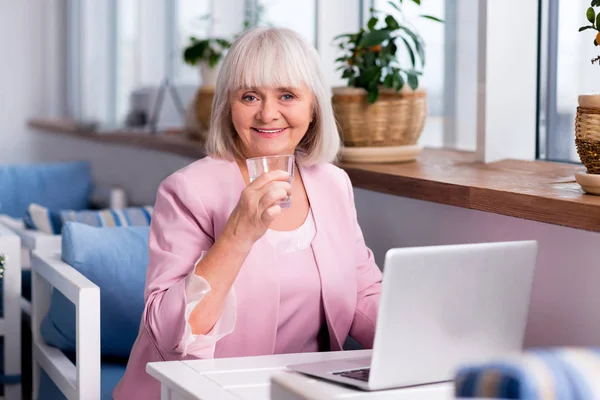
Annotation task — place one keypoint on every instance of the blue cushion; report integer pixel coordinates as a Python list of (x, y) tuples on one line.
[(51, 222), (115, 259), (110, 375), (57, 186)]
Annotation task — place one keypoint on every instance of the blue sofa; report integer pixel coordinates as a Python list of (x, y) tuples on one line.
[(61, 185), (66, 185)]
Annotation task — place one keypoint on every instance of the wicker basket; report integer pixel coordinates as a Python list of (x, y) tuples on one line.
[(395, 119), (587, 132), (203, 108)]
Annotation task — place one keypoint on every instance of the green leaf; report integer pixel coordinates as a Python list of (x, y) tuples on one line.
[(583, 28), (413, 80), (398, 80), (374, 38), (595, 3), (194, 53), (417, 41), (417, 2), (388, 82), (372, 22), (591, 15), (213, 60), (598, 21), (224, 43), (393, 47), (348, 72), (373, 94), (431, 17), (370, 75), (391, 23), (411, 53), (370, 59), (391, 3)]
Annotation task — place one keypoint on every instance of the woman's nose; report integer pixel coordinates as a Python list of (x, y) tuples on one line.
[(269, 111)]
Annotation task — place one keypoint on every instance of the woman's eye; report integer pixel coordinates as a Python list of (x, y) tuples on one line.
[(287, 97), (249, 97)]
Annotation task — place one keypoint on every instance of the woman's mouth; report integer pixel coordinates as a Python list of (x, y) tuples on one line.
[(269, 133)]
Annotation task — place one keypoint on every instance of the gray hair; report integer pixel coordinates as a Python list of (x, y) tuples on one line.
[(273, 57)]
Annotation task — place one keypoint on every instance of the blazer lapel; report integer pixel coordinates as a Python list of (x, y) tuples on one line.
[(325, 246)]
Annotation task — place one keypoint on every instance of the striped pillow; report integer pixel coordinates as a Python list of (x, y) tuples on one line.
[(51, 222), (562, 373)]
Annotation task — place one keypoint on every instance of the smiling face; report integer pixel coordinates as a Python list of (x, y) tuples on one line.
[(271, 121)]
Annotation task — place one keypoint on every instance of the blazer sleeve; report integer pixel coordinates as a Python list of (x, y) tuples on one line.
[(368, 284), (180, 231)]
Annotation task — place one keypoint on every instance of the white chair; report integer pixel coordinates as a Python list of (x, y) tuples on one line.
[(10, 324), (29, 240), (80, 380), (98, 264)]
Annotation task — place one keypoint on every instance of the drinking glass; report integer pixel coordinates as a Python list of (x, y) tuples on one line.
[(259, 165)]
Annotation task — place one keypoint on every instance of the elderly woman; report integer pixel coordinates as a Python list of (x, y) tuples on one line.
[(233, 274)]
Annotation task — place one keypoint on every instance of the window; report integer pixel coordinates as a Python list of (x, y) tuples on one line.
[(297, 15), (565, 73), (114, 47), (191, 21), (140, 43), (126, 67)]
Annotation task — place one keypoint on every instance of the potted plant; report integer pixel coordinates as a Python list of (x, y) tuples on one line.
[(587, 121), (382, 111), (207, 53)]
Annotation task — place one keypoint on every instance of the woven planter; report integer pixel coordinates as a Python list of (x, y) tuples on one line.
[(395, 119), (202, 110), (587, 132)]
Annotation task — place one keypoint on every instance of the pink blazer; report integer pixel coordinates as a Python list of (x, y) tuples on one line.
[(191, 210)]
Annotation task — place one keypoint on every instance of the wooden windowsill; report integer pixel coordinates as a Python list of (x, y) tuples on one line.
[(170, 142), (535, 190)]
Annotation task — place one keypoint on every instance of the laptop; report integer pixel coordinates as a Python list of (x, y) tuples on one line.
[(441, 307)]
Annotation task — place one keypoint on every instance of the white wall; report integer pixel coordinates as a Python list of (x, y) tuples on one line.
[(30, 78), (21, 70), (565, 299)]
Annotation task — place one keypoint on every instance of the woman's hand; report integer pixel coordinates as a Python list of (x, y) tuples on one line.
[(257, 208)]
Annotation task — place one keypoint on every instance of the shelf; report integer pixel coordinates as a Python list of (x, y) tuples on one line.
[(534, 190), (170, 142)]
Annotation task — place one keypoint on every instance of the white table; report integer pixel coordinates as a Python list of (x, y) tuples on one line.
[(250, 378)]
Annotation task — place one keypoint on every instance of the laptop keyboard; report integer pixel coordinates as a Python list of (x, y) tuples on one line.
[(361, 374)]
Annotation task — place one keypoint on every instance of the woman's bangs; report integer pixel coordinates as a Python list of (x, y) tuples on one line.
[(270, 64)]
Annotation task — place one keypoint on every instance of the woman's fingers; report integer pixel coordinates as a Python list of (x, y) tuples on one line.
[(268, 177)]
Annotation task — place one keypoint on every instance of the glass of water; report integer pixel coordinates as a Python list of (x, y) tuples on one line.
[(259, 165)]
